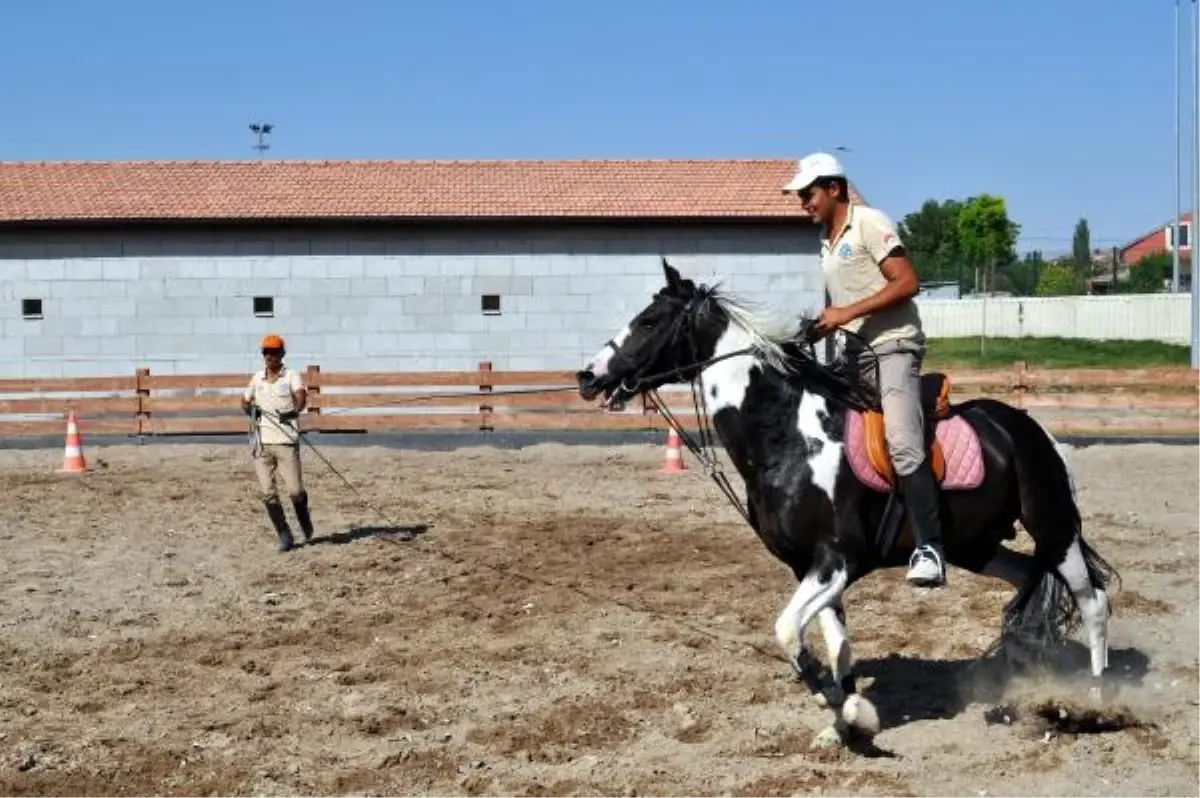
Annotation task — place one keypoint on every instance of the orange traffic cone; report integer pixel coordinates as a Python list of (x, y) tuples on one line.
[(73, 460), (674, 460)]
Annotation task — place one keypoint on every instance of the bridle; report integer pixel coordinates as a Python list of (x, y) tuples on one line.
[(704, 449)]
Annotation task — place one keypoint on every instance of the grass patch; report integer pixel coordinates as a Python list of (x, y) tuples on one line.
[(1053, 353)]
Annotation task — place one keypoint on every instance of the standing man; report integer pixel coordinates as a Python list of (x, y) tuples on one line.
[(273, 400), (871, 283)]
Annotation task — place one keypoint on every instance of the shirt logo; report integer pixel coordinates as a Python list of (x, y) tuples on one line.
[(844, 250)]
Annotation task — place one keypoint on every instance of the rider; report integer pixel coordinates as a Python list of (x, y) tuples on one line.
[(871, 282)]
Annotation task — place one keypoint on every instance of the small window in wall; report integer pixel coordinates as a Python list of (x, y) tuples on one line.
[(490, 304), (264, 306), (31, 308), (1185, 238)]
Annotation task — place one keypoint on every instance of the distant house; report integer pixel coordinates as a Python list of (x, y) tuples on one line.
[(939, 289), (1159, 240)]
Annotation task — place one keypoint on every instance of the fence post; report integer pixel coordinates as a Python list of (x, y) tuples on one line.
[(141, 385), (1020, 383), (485, 387), (312, 385)]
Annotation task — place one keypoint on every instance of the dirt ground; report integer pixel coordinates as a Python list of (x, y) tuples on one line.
[(573, 621)]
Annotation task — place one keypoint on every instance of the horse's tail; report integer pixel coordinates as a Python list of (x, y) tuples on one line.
[(1044, 612)]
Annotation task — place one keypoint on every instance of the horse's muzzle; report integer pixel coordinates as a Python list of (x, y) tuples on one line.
[(589, 386)]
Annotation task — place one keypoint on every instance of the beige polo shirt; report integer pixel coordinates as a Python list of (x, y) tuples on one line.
[(851, 267), (275, 398)]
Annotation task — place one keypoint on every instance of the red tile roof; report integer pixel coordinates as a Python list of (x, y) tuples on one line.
[(292, 190)]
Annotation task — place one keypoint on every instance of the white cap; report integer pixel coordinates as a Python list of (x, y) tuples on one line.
[(814, 167)]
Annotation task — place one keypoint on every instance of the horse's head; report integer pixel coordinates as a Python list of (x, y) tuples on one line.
[(666, 342)]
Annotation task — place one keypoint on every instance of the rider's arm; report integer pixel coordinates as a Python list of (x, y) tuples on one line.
[(888, 251)]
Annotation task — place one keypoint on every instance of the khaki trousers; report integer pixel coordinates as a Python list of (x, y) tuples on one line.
[(283, 458), (900, 396)]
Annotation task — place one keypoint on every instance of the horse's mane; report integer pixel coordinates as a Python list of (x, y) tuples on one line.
[(769, 335), (781, 346)]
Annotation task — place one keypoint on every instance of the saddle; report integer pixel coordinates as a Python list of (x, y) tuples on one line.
[(951, 444)]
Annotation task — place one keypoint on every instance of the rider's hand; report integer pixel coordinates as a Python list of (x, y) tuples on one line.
[(830, 319)]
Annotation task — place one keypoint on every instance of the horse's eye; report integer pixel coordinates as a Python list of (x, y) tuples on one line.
[(647, 323)]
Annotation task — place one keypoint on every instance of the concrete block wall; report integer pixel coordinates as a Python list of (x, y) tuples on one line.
[(366, 298)]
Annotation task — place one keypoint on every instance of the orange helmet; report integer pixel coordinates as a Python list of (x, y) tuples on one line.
[(272, 342)]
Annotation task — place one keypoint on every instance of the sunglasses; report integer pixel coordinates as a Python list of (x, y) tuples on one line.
[(276, 352)]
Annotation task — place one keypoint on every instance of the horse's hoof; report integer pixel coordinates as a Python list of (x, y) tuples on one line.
[(829, 737), (831, 697), (861, 715)]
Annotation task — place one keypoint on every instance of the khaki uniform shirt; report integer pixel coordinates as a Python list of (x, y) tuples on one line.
[(850, 263), (275, 398)]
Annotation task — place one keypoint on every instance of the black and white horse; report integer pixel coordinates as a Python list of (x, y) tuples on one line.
[(784, 422)]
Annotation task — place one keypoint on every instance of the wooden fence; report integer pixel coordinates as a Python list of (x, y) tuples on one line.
[(1160, 401)]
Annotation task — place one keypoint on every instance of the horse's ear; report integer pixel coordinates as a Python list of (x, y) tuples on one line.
[(677, 285), (672, 275)]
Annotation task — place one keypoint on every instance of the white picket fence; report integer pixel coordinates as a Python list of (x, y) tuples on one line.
[(1145, 317)]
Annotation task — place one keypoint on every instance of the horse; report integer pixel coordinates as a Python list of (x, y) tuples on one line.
[(797, 435)]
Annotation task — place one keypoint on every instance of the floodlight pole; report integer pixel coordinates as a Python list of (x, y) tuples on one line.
[(1195, 178)]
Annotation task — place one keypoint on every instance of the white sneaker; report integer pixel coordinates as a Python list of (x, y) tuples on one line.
[(926, 569)]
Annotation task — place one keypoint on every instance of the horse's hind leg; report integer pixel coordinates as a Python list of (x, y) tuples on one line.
[(1093, 608)]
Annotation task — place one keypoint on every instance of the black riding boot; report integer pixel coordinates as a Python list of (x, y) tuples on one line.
[(300, 505), (927, 567), (279, 520)]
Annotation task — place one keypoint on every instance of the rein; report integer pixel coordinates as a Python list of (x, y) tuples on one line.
[(705, 450)]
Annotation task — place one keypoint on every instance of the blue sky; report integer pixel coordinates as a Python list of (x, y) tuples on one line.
[(1064, 107)]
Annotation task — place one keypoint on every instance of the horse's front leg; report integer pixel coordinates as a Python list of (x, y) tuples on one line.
[(815, 592), (833, 628), (819, 590), (854, 711)]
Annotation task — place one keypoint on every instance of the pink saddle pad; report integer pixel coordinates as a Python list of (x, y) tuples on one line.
[(960, 446)]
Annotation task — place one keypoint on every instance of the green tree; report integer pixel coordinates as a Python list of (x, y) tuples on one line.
[(1081, 247), (931, 237), (1021, 277), (1060, 279), (986, 236), (1148, 274)]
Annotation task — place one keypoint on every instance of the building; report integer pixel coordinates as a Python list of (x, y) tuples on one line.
[(181, 267), (1159, 240), (1156, 241), (939, 289)]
